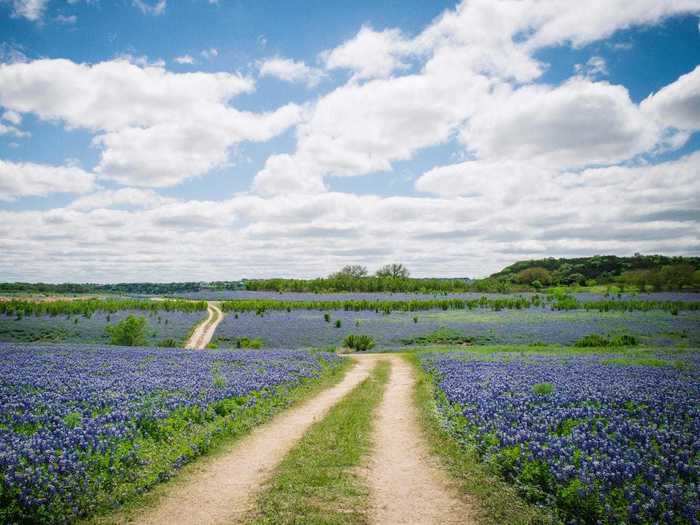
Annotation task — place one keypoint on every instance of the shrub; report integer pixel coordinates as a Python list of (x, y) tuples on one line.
[(327, 318), (595, 340), (168, 343), (128, 332), (338, 323), (245, 342), (359, 343)]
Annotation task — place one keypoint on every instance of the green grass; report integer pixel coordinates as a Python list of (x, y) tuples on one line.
[(316, 482), (497, 503), (201, 441)]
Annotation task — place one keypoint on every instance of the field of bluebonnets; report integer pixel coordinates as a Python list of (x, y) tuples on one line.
[(86, 427), (86, 320), (308, 328), (604, 435), (46, 328), (601, 438)]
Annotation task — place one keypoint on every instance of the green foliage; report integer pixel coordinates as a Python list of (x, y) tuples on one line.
[(359, 343), (351, 271), (168, 343), (642, 271), (327, 317), (87, 307), (130, 331), (543, 389), (393, 271), (73, 419), (595, 340), (441, 336), (245, 342), (533, 275), (338, 323)]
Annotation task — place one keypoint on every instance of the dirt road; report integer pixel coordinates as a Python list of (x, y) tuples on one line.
[(406, 485), (224, 490), (205, 330)]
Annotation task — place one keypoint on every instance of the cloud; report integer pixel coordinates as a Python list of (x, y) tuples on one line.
[(151, 8), (290, 71), (594, 67), (370, 54), (472, 76), (29, 179), (13, 117), (30, 9), (154, 127), (678, 104), (210, 53), (63, 19), (184, 59), (577, 124), (129, 197)]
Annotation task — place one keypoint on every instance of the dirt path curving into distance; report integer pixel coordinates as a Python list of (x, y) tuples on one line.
[(406, 484), (224, 490), (205, 330)]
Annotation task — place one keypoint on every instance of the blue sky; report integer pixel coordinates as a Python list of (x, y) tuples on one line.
[(194, 139)]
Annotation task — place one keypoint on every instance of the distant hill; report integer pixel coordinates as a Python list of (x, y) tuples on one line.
[(655, 270)]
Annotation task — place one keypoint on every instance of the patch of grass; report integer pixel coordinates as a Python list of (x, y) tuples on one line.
[(497, 503), (196, 439), (643, 361), (543, 389), (315, 484)]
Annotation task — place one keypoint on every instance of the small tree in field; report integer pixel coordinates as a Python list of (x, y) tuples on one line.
[(397, 271), (128, 332), (351, 271)]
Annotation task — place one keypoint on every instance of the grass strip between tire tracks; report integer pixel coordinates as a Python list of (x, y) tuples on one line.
[(318, 482)]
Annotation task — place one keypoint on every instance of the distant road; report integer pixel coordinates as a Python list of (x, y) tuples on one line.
[(205, 330)]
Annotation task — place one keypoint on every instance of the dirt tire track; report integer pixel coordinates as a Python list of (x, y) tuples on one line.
[(406, 483), (205, 330), (224, 490)]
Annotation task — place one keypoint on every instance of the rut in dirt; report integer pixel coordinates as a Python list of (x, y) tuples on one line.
[(406, 483)]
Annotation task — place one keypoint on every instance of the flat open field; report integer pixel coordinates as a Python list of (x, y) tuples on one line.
[(505, 409)]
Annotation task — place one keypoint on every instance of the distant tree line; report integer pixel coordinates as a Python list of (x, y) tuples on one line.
[(118, 288), (644, 272), (356, 278)]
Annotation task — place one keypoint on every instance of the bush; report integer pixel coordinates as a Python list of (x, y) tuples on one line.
[(168, 343), (245, 342), (128, 332), (359, 343), (595, 340)]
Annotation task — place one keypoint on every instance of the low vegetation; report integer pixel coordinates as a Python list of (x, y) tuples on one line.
[(358, 343), (87, 307)]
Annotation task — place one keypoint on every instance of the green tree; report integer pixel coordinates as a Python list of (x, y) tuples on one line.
[(128, 332), (530, 275), (397, 271), (351, 271)]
